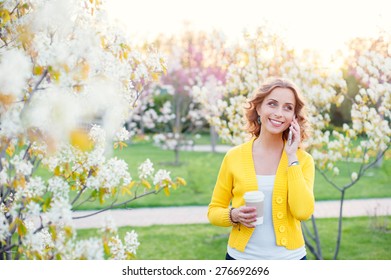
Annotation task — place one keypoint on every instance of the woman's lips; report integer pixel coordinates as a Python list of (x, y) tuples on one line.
[(276, 123)]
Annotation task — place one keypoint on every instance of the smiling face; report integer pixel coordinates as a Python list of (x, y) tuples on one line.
[(276, 101), (277, 110)]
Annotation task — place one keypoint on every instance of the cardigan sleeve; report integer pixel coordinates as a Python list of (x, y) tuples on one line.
[(218, 209), (300, 188)]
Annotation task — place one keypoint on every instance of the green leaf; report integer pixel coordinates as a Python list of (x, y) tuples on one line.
[(146, 184), (22, 230), (53, 231), (46, 204), (101, 195)]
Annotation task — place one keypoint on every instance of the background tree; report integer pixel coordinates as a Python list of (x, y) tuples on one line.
[(366, 140), (173, 113)]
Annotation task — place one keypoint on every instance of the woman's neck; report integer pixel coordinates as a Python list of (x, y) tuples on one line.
[(267, 151), (269, 141)]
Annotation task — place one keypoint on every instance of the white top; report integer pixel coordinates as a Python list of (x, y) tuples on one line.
[(262, 244)]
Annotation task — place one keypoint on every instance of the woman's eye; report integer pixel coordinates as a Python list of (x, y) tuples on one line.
[(272, 103), (288, 108)]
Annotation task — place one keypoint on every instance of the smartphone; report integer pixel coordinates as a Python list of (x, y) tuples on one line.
[(290, 137), (290, 134)]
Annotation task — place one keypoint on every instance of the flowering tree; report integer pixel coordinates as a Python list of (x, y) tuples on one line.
[(367, 139), (173, 112), (264, 54), (377, 51), (68, 81)]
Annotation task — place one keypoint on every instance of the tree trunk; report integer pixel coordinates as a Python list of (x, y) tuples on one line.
[(339, 236), (379, 161), (176, 150), (177, 125), (315, 249), (213, 138)]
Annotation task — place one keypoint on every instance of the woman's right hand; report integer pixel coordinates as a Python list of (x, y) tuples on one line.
[(244, 215)]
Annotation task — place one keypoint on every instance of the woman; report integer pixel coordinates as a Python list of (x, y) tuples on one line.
[(284, 173)]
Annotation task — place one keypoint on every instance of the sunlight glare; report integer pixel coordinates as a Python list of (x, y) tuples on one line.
[(323, 26)]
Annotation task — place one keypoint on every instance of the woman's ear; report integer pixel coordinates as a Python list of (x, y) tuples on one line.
[(258, 110)]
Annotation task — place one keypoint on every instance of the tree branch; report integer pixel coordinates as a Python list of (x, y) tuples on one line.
[(319, 248), (113, 206), (87, 199), (44, 74), (26, 152), (327, 179), (5, 195), (364, 168), (378, 157), (7, 248), (312, 249), (308, 232), (79, 194), (315, 237)]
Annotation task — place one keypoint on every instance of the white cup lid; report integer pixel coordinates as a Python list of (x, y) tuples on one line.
[(254, 196)]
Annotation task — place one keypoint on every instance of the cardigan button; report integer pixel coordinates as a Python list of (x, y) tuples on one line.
[(279, 199), (284, 241), (280, 215), (281, 228)]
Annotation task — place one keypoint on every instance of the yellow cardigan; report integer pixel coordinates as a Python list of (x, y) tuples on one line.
[(293, 198)]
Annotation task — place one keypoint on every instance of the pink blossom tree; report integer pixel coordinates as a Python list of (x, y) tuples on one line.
[(173, 113)]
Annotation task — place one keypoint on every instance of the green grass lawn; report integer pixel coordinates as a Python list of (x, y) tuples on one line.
[(363, 238), (200, 170)]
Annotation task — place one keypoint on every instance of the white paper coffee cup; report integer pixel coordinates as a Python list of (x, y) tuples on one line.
[(255, 199)]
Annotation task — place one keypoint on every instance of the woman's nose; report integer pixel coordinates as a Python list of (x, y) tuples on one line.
[(278, 113)]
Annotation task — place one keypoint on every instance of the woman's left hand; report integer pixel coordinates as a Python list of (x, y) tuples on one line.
[(295, 128)]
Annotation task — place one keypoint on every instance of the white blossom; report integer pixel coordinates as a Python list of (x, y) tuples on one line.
[(108, 225), (10, 121), (59, 213), (4, 227), (131, 242), (21, 166), (98, 135), (90, 249), (33, 209), (160, 176), (37, 241), (146, 169), (117, 248), (3, 176), (122, 135), (59, 188), (15, 69), (111, 174), (354, 176)]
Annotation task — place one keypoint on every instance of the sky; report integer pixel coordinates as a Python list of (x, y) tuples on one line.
[(321, 25)]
